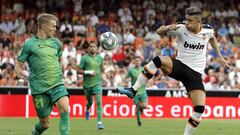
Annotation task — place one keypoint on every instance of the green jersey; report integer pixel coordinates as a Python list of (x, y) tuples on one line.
[(42, 57), (90, 62), (133, 73)]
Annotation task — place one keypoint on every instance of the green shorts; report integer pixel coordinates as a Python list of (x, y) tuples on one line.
[(44, 102), (97, 89), (140, 98)]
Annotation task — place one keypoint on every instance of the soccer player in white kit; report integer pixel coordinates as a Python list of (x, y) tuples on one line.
[(189, 64)]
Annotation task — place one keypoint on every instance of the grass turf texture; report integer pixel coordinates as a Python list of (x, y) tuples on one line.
[(22, 126)]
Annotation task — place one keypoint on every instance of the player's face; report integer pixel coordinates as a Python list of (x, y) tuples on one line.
[(138, 62), (92, 49), (50, 28), (192, 23)]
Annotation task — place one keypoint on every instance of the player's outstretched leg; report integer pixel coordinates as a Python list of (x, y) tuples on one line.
[(149, 70), (130, 92)]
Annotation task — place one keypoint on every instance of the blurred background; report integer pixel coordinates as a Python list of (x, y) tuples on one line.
[(134, 22)]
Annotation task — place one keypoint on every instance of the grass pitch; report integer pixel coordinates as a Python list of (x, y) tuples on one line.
[(80, 126)]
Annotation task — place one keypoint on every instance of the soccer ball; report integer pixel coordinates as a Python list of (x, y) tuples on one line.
[(108, 41)]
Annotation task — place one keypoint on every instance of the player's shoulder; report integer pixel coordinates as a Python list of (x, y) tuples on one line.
[(181, 24), (207, 26), (29, 41), (207, 29), (85, 56), (99, 56), (56, 40)]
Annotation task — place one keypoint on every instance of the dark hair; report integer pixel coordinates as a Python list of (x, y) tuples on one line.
[(193, 11)]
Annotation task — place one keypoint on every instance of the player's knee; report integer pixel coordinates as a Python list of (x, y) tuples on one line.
[(45, 123), (157, 61), (151, 68), (64, 109), (144, 106), (98, 103), (147, 74), (199, 108), (89, 102)]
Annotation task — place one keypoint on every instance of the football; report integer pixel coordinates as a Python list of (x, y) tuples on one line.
[(108, 41)]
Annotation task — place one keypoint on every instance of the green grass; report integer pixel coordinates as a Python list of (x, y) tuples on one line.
[(22, 126)]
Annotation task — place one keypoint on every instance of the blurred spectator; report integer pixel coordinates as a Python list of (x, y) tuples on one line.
[(4, 40), (6, 25), (19, 26), (70, 76), (134, 23), (212, 84), (222, 30), (67, 36), (66, 25), (77, 5), (92, 18)]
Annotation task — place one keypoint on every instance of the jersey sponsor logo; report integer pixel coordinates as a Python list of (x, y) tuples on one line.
[(193, 46)]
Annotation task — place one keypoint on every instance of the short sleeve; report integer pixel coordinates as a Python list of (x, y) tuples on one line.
[(82, 63), (176, 32), (25, 52), (59, 53)]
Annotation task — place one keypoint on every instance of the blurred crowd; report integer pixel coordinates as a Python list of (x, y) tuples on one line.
[(134, 23)]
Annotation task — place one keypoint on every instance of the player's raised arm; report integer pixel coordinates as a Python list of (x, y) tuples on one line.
[(214, 44), (164, 29)]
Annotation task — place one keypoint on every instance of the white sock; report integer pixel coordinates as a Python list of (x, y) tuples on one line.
[(100, 122), (140, 81), (189, 129)]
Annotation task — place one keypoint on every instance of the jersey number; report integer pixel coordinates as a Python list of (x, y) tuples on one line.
[(38, 102)]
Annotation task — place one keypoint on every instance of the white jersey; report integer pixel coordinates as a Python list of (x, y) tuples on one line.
[(192, 47)]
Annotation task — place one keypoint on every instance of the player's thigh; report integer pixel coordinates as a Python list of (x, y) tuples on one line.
[(43, 105), (97, 89), (88, 94), (198, 97), (60, 97), (144, 99), (136, 100), (167, 64)]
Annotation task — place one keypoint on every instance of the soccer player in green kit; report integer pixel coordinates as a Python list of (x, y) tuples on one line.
[(141, 98), (91, 66), (42, 53)]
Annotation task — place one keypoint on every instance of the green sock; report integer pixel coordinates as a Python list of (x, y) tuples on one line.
[(138, 113), (39, 128), (64, 123), (99, 107)]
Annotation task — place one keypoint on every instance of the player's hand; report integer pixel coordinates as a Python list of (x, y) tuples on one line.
[(223, 62), (20, 74)]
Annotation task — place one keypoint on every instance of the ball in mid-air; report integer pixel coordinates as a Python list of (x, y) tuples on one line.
[(108, 41)]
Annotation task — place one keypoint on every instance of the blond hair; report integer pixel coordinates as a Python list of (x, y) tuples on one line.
[(45, 18)]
